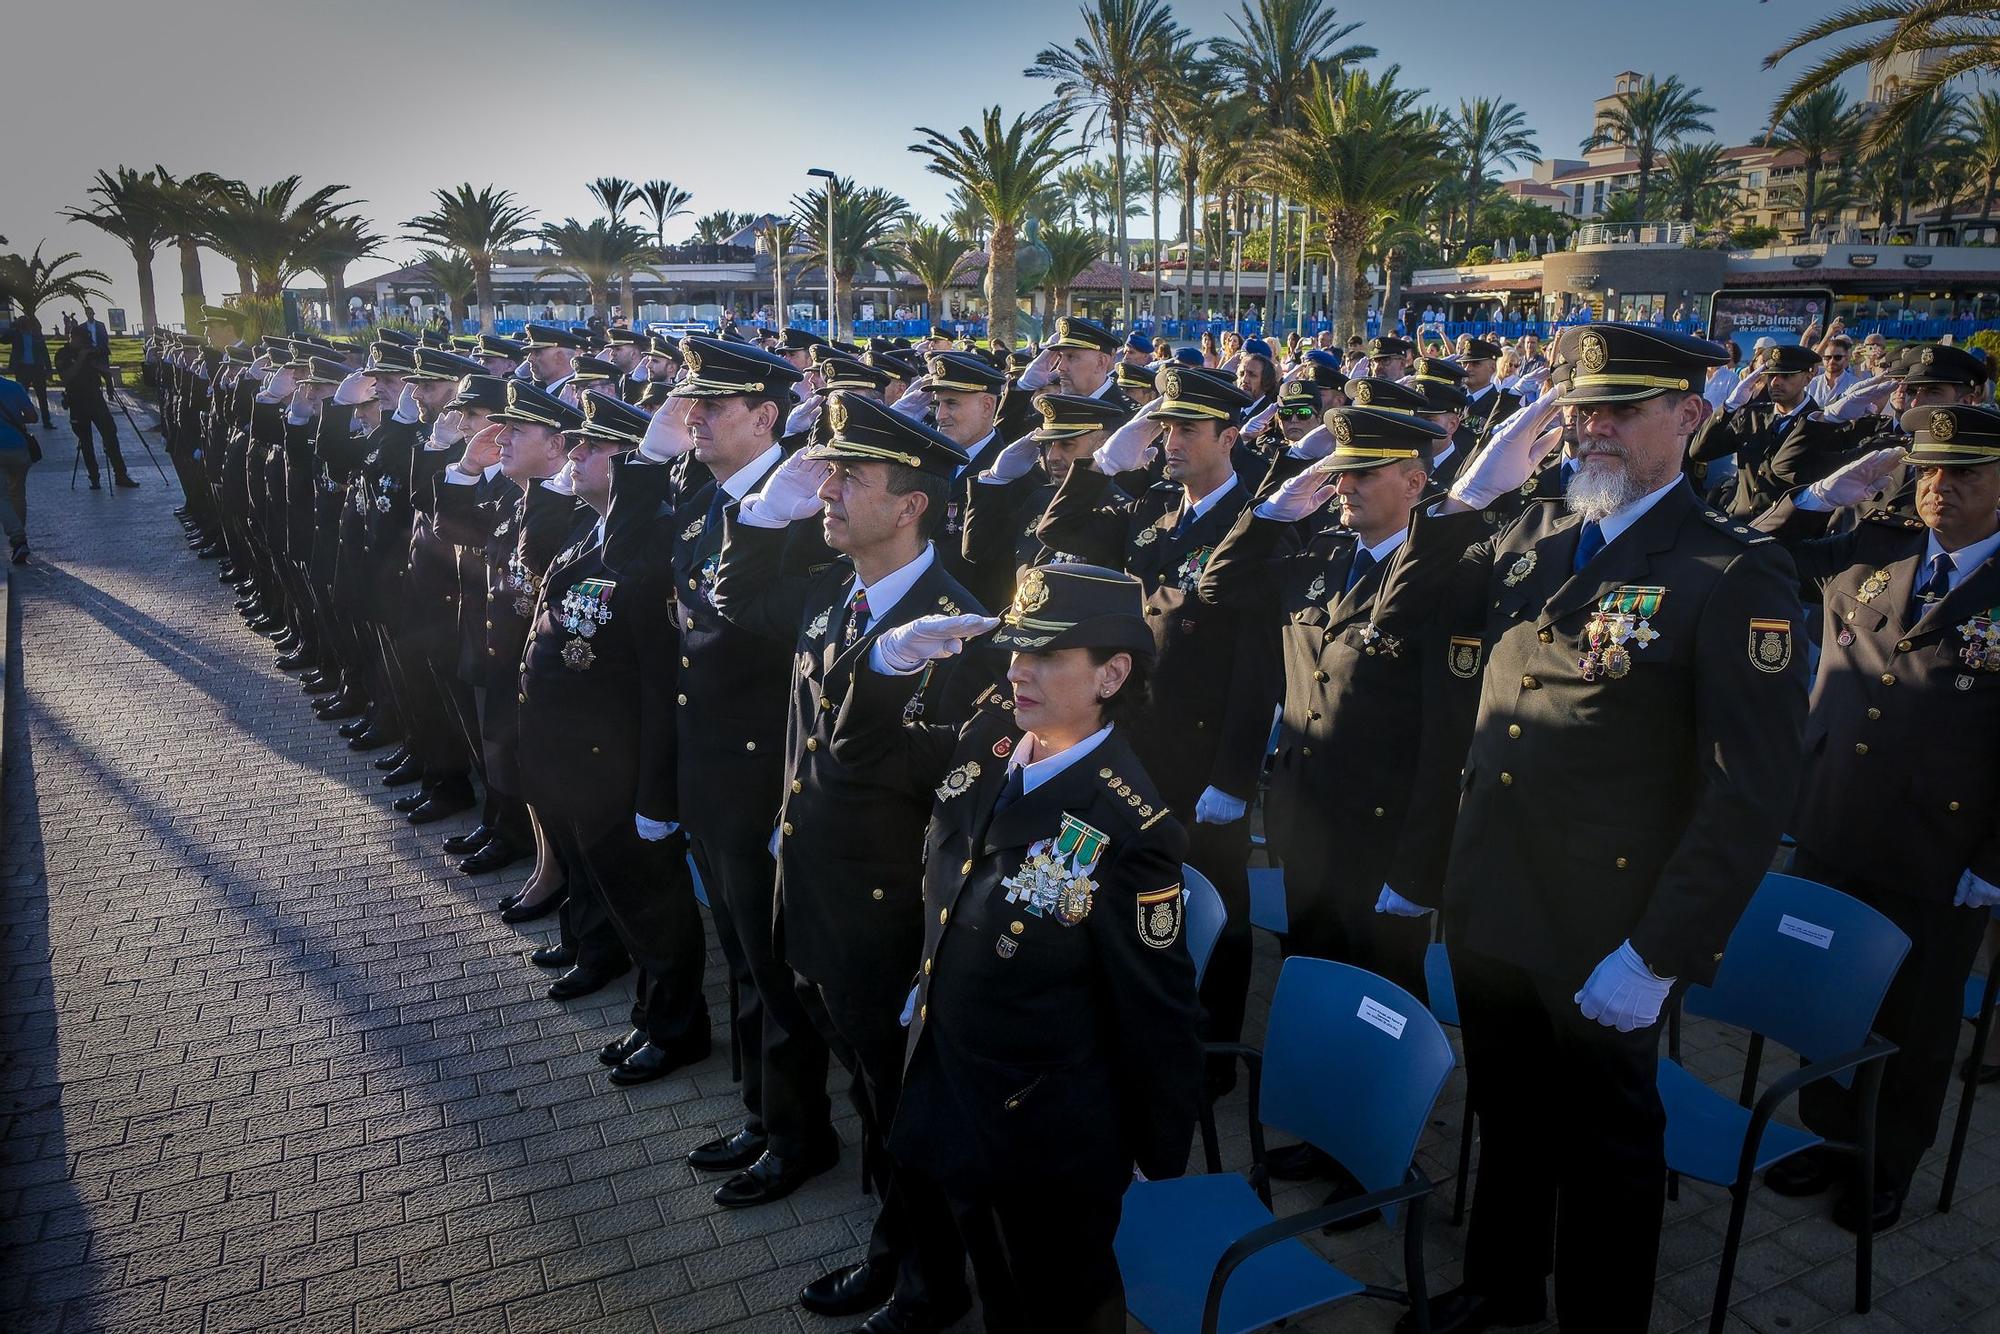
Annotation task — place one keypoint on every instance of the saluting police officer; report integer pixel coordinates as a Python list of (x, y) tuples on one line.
[(1760, 413), (964, 396), (1004, 514), (1644, 678), (1900, 805)]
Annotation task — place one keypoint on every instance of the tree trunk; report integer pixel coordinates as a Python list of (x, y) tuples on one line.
[(482, 288), (1270, 273), (1156, 234), (336, 299), (600, 296), (193, 298), (1346, 233), (1472, 183), (1986, 200), (1000, 307), (1118, 217), (1392, 289), (625, 299), (1645, 188), (245, 282), (149, 315), (1812, 184)]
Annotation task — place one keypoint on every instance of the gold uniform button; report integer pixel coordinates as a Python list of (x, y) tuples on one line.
[(923, 1012), (1547, 636), (680, 699), (1873, 714), (1506, 779), (786, 829), (1514, 729), (1530, 683), (1319, 676), (690, 622), (595, 751), (1861, 748), (1888, 678), (824, 704), (1313, 716), (1379, 812), (1951, 805), (812, 743), (684, 661), (943, 913), (1305, 750), (1620, 863), (875, 894), (491, 652), (749, 745), (927, 967), (1152, 611), (521, 698), (1017, 927), (692, 585), (1903, 646), (489, 625), (797, 786)]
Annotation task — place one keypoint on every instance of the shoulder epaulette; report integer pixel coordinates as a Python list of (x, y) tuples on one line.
[(1122, 789), (1742, 532), (1889, 518)]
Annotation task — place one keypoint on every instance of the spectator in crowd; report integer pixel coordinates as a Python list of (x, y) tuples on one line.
[(28, 358), (17, 451)]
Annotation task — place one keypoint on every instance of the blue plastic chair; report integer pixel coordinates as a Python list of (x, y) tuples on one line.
[(1444, 1005), (1267, 899), (1806, 967), (735, 1044), (1205, 917), (1981, 995), (1351, 1063)]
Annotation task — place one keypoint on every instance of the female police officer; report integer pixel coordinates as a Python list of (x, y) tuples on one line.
[(1052, 1027)]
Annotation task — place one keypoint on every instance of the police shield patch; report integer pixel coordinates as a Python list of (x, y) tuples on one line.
[(1160, 917), (1464, 659), (1770, 645)]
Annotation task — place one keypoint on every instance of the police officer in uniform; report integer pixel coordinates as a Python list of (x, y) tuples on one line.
[(964, 393), (1007, 501), (1052, 1031), (1486, 403), (1752, 432), (1643, 676), (1441, 385), (1900, 805)]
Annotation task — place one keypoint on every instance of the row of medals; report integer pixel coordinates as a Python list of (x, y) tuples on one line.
[(1604, 651), (582, 613)]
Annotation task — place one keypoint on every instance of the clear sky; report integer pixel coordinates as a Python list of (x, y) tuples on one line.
[(733, 101)]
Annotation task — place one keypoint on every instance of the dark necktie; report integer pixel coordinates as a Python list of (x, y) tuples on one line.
[(1933, 586), (857, 618), (1364, 561), (712, 523), (1568, 471), (1589, 542), (1016, 787)]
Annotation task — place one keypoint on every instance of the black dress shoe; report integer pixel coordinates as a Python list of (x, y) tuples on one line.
[(472, 840), (374, 739), (319, 684), (518, 911), (96, 485), (126, 482), (1299, 1162), (616, 1050), (355, 728), (653, 1061), (338, 706), (408, 802), (894, 1317), (293, 661), (246, 602), (851, 1289), (1887, 1206), (265, 623), (553, 956), (1810, 1172), (581, 981), (1461, 1312), (445, 800), (395, 759), (404, 774), (730, 1153), (496, 853), (773, 1178)]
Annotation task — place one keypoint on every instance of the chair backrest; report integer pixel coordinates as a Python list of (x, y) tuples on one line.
[(1806, 966), (1352, 1063), (1205, 917)]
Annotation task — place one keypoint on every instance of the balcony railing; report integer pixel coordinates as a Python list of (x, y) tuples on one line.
[(1596, 235)]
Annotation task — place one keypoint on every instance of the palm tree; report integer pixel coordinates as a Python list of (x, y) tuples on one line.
[(665, 201), (1072, 250), (1004, 170), (1359, 147), (328, 249), (1699, 182), (127, 205), (479, 224), (1648, 118), (1125, 46), (597, 254), (263, 230), (455, 278), (1485, 136), (1184, 112), (186, 207), (1926, 134), (1398, 230), (967, 218), (1961, 36), (1822, 129), (33, 282), (1982, 128), (1280, 47), (864, 224), (616, 194), (716, 228), (933, 254)]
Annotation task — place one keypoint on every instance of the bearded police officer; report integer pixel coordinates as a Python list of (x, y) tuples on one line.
[(1644, 677)]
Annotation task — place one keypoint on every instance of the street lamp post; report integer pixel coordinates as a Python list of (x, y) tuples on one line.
[(1236, 304), (1297, 292), (832, 312), (778, 269)]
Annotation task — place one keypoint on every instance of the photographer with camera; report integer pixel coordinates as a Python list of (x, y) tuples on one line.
[(87, 388)]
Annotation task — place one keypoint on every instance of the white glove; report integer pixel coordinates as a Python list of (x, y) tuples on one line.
[(667, 437), (791, 493), (1130, 447), (653, 830), (1257, 424), (804, 415), (1856, 481), (1041, 372), (355, 390), (301, 410), (1015, 461), (447, 430), (1389, 901), (406, 406), (1510, 456), (1973, 892), (564, 482), (1746, 389), (1863, 400), (278, 388), (1314, 444), (1215, 806), (1623, 993), (1300, 496), (916, 400), (904, 649)]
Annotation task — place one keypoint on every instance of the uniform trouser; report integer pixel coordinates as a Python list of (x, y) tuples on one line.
[(386, 684), (1222, 853), (1041, 1253), (648, 899), (585, 917), (88, 413), (784, 1056), (1921, 1014), (433, 738), (1339, 922), (860, 1025), (504, 814), (1572, 1168)]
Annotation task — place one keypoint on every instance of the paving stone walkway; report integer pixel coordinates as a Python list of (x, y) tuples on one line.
[(267, 1061)]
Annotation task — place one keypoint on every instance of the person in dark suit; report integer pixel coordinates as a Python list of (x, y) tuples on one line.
[(1642, 675), (1052, 1043), (597, 763), (850, 845), (1215, 682), (1904, 735), (28, 358), (94, 337)]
